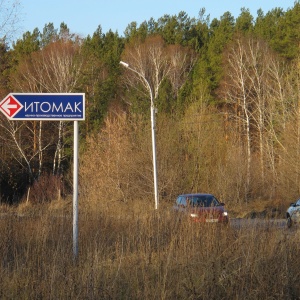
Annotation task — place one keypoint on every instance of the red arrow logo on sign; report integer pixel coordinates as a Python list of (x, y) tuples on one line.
[(10, 106)]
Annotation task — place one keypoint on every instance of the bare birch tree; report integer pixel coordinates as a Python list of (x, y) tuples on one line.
[(237, 93), (157, 61), (153, 61), (54, 69), (9, 19), (253, 85)]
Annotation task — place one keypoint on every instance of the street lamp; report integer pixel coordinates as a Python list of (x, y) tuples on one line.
[(152, 130)]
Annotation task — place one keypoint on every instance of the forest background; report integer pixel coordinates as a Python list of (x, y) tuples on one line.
[(227, 97)]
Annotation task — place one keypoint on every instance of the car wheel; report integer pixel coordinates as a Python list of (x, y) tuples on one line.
[(289, 222)]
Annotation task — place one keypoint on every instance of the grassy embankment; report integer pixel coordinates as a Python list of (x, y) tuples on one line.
[(129, 253)]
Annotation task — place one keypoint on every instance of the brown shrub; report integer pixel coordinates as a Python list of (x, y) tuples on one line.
[(46, 188)]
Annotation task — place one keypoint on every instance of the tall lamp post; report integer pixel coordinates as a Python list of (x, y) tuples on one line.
[(152, 107)]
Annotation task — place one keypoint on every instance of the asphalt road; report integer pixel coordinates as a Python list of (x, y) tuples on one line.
[(236, 223), (258, 223)]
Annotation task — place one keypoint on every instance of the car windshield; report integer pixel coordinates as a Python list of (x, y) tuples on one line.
[(198, 201), (204, 201)]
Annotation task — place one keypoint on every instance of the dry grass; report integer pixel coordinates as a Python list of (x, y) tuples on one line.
[(259, 208), (127, 253)]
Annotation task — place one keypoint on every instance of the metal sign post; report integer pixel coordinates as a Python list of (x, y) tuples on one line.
[(75, 192), (51, 107)]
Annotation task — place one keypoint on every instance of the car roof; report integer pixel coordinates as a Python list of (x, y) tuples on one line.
[(195, 194)]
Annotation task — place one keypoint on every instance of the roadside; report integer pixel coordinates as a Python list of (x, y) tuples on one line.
[(263, 209)]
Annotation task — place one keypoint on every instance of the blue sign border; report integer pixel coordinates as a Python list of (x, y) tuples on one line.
[(50, 106)]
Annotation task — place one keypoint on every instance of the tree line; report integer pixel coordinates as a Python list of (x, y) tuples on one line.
[(227, 97)]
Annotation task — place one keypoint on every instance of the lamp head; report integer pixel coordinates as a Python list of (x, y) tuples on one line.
[(124, 64)]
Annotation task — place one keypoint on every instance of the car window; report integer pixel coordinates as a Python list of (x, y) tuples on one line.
[(205, 201), (198, 201), (181, 201), (215, 202)]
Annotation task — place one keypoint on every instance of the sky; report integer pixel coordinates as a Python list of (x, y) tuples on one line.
[(84, 16)]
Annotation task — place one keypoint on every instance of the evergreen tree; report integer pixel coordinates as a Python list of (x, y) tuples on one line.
[(177, 29), (208, 70), (287, 38), (131, 31), (266, 26), (48, 35), (102, 52), (244, 22), (29, 43), (4, 67)]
